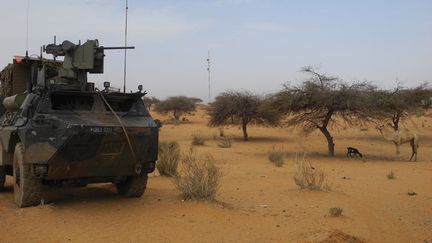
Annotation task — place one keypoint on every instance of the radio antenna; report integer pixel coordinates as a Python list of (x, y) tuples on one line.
[(125, 51), (27, 27), (208, 70)]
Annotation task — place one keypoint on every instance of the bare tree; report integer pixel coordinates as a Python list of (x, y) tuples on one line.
[(314, 104), (242, 108), (399, 104), (177, 105)]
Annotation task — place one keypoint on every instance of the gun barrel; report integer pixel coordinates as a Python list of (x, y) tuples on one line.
[(116, 47)]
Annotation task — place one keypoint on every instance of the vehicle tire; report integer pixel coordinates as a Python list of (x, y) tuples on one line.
[(2, 177), (27, 189), (133, 186)]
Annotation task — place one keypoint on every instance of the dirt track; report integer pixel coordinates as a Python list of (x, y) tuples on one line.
[(258, 202)]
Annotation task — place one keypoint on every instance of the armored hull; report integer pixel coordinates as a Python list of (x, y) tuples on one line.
[(56, 128)]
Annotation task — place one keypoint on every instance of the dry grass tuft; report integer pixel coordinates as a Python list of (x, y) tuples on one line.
[(168, 158), (391, 175), (277, 157), (308, 177), (335, 212), (198, 139), (226, 142), (199, 179)]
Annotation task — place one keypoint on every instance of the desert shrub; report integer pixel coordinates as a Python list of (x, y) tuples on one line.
[(391, 175), (199, 179), (198, 139), (276, 156), (308, 177), (335, 212), (226, 142), (168, 158)]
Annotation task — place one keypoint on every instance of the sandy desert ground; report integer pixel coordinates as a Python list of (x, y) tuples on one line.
[(257, 202)]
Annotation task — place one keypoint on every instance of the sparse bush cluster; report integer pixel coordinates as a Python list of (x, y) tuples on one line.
[(198, 139), (335, 212), (277, 157), (309, 177), (226, 142), (169, 156), (199, 179), (391, 175)]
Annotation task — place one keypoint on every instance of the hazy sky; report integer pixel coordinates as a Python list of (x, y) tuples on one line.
[(255, 45)]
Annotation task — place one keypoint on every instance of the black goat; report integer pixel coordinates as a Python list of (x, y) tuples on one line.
[(353, 152)]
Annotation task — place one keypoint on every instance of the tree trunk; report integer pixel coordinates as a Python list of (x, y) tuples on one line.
[(395, 120), (176, 115), (327, 134), (245, 135), (244, 127), (330, 142)]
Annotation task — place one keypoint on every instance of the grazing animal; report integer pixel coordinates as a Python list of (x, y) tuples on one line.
[(353, 152), (400, 137)]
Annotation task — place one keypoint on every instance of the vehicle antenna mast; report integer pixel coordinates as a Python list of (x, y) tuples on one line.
[(125, 51), (27, 27), (208, 70)]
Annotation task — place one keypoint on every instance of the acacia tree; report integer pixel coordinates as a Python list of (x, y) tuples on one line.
[(241, 108), (398, 105), (150, 101), (177, 105), (314, 104)]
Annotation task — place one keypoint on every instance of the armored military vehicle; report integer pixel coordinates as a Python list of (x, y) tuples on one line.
[(56, 128)]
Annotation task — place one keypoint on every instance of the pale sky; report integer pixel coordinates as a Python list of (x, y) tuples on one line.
[(255, 45)]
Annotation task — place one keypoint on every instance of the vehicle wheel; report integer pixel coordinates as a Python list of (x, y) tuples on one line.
[(27, 189), (133, 186), (2, 177)]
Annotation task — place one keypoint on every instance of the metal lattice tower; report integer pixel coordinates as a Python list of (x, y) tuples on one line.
[(208, 70)]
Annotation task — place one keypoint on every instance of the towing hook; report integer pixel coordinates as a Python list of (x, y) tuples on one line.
[(138, 168)]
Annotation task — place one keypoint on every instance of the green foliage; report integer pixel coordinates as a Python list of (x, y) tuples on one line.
[(241, 108), (277, 157), (199, 179), (177, 105), (335, 212), (168, 158)]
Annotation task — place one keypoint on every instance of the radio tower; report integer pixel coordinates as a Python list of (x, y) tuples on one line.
[(208, 70)]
